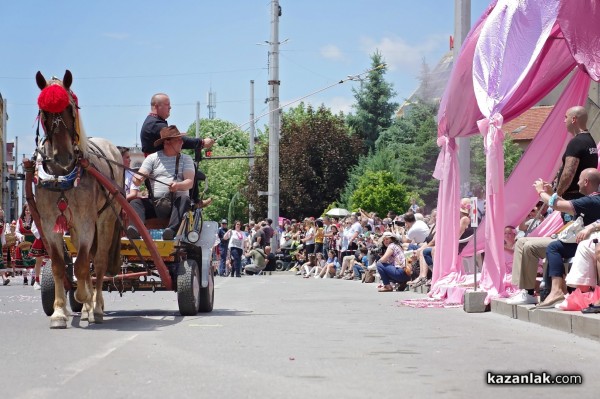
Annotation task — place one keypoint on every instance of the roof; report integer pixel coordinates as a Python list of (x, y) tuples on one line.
[(528, 124)]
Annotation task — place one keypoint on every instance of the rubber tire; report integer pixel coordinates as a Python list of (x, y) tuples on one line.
[(47, 290), (188, 287), (75, 306), (207, 295), (279, 265)]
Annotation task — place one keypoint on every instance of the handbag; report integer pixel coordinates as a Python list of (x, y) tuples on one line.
[(568, 235)]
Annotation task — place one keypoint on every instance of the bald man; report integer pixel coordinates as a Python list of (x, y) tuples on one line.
[(160, 109), (581, 153)]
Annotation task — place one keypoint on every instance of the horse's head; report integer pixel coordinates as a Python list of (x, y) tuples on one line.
[(60, 120)]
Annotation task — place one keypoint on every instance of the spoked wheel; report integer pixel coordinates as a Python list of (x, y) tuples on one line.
[(207, 295), (188, 287)]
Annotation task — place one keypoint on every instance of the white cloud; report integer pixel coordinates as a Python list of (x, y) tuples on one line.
[(336, 104), (116, 35), (400, 55), (332, 52), (343, 104)]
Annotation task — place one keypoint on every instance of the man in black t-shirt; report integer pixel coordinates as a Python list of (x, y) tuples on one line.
[(160, 109), (581, 154)]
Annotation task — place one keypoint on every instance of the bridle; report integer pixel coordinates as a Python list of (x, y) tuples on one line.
[(52, 123)]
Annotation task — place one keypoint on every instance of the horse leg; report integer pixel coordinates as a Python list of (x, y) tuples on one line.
[(83, 293), (60, 316)]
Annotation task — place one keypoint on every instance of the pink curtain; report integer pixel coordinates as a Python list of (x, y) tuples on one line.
[(579, 22), (540, 160), (458, 116)]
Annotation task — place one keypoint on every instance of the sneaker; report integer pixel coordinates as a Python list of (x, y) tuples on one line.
[(168, 234), (294, 269), (298, 273), (317, 276), (37, 286), (522, 298), (133, 233), (6, 282)]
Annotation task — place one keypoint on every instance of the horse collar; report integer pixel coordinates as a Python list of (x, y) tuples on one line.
[(58, 183)]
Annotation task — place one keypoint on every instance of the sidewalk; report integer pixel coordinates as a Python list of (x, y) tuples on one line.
[(577, 323)]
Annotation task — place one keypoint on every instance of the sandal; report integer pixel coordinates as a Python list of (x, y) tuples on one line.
[(386, 288), (418, 282)]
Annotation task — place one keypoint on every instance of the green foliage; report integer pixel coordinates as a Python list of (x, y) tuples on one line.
[(374, 110), (407, 150), (512, 155), (379, 192), (316, 152), (226, 177)]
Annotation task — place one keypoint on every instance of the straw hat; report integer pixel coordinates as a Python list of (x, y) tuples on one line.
[(388, 234), (169, 132)]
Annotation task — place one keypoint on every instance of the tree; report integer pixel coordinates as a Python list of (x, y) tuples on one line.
[(226, 177), (408, 150), (316, 152), (379, 192), (512, 155), (374, 110)]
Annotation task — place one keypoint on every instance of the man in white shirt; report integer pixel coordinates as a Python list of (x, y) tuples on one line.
[(174, 174), (417, 230)]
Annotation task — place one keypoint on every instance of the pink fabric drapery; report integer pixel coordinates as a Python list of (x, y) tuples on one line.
[(510, 41), (540, 160), (579, 23), (458, 116)]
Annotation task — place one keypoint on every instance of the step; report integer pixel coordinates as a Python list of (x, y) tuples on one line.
[(577, 323)]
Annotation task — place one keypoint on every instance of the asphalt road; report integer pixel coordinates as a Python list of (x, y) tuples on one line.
[(279, 336)]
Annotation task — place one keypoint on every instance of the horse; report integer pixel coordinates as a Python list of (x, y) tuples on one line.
[(68, 198)]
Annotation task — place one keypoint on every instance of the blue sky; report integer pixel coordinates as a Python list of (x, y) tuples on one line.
[(122, 52)]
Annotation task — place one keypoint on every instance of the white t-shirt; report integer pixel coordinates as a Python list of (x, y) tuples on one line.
[(162, 168), (418, 232)]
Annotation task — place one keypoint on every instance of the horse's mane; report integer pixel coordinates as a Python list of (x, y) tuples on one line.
[(83, 139)]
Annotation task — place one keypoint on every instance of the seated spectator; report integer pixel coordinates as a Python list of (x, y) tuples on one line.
[(311, 266), (417, 231), (391, 265), (360, 267), (319, 265), (533, 220), (331, 266), (258, 256)]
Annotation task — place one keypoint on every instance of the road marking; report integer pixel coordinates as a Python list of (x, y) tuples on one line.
[(77, 368), (205, 325)]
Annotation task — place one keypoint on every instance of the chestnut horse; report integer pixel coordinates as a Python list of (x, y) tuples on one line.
[(68, 198)]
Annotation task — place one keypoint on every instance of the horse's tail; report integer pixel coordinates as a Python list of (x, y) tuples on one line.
[(114, 255)]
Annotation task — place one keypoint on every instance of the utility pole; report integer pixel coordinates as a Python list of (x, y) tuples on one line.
[(4, 166), (251, 143), (15, 194), (462, 25), (197, 119), (274, 123), (252, 132)]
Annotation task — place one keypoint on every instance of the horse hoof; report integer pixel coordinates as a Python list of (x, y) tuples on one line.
[(84, 316), (98, 318), (58, 324)]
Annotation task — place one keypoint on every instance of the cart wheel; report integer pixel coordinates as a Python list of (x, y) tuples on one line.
[(207, 295), (75, 306), (279, 266), (188, 287), (47, 290)]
